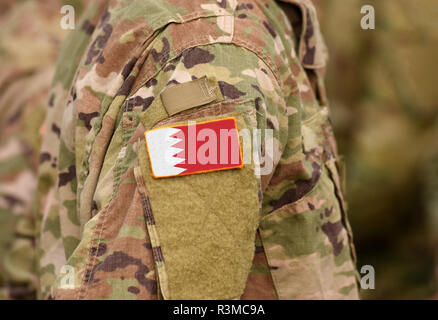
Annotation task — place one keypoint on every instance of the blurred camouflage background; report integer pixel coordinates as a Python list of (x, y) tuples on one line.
[(382, 87), (30, 37)]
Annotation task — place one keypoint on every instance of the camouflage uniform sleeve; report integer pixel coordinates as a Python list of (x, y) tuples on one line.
[(130, 233), (207, 251), (215, 236)]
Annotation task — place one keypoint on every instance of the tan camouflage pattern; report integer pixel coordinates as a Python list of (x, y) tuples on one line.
[(95, 202), (30, 36)]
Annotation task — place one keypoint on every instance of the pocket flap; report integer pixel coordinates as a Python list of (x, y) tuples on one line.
[(203, 227)]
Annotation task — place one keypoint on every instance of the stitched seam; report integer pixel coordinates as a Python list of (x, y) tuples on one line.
[(92, 258), (83, 290)]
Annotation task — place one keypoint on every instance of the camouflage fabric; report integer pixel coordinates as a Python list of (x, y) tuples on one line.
[(385, 111), (30, 37), (29, 40), (109, 230)]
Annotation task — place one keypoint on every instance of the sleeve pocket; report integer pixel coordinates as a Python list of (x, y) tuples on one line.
[(202, 226)]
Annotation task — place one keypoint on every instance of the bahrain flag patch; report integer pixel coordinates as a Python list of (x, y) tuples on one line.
[(193, 148)]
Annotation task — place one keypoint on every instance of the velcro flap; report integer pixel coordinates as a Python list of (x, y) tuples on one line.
[(188, 95), (202, 225)]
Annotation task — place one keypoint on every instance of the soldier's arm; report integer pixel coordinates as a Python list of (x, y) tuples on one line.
[(196, 230), (150, 201), (202, 219)]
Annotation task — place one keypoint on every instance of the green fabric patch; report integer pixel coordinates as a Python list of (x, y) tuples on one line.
[(70, 244), (135, 232), (206, 226)]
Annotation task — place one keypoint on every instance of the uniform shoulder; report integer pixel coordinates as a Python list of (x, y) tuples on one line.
[(257, 26)]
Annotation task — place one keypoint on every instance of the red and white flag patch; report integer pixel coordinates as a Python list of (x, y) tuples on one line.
[(194, 148)]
